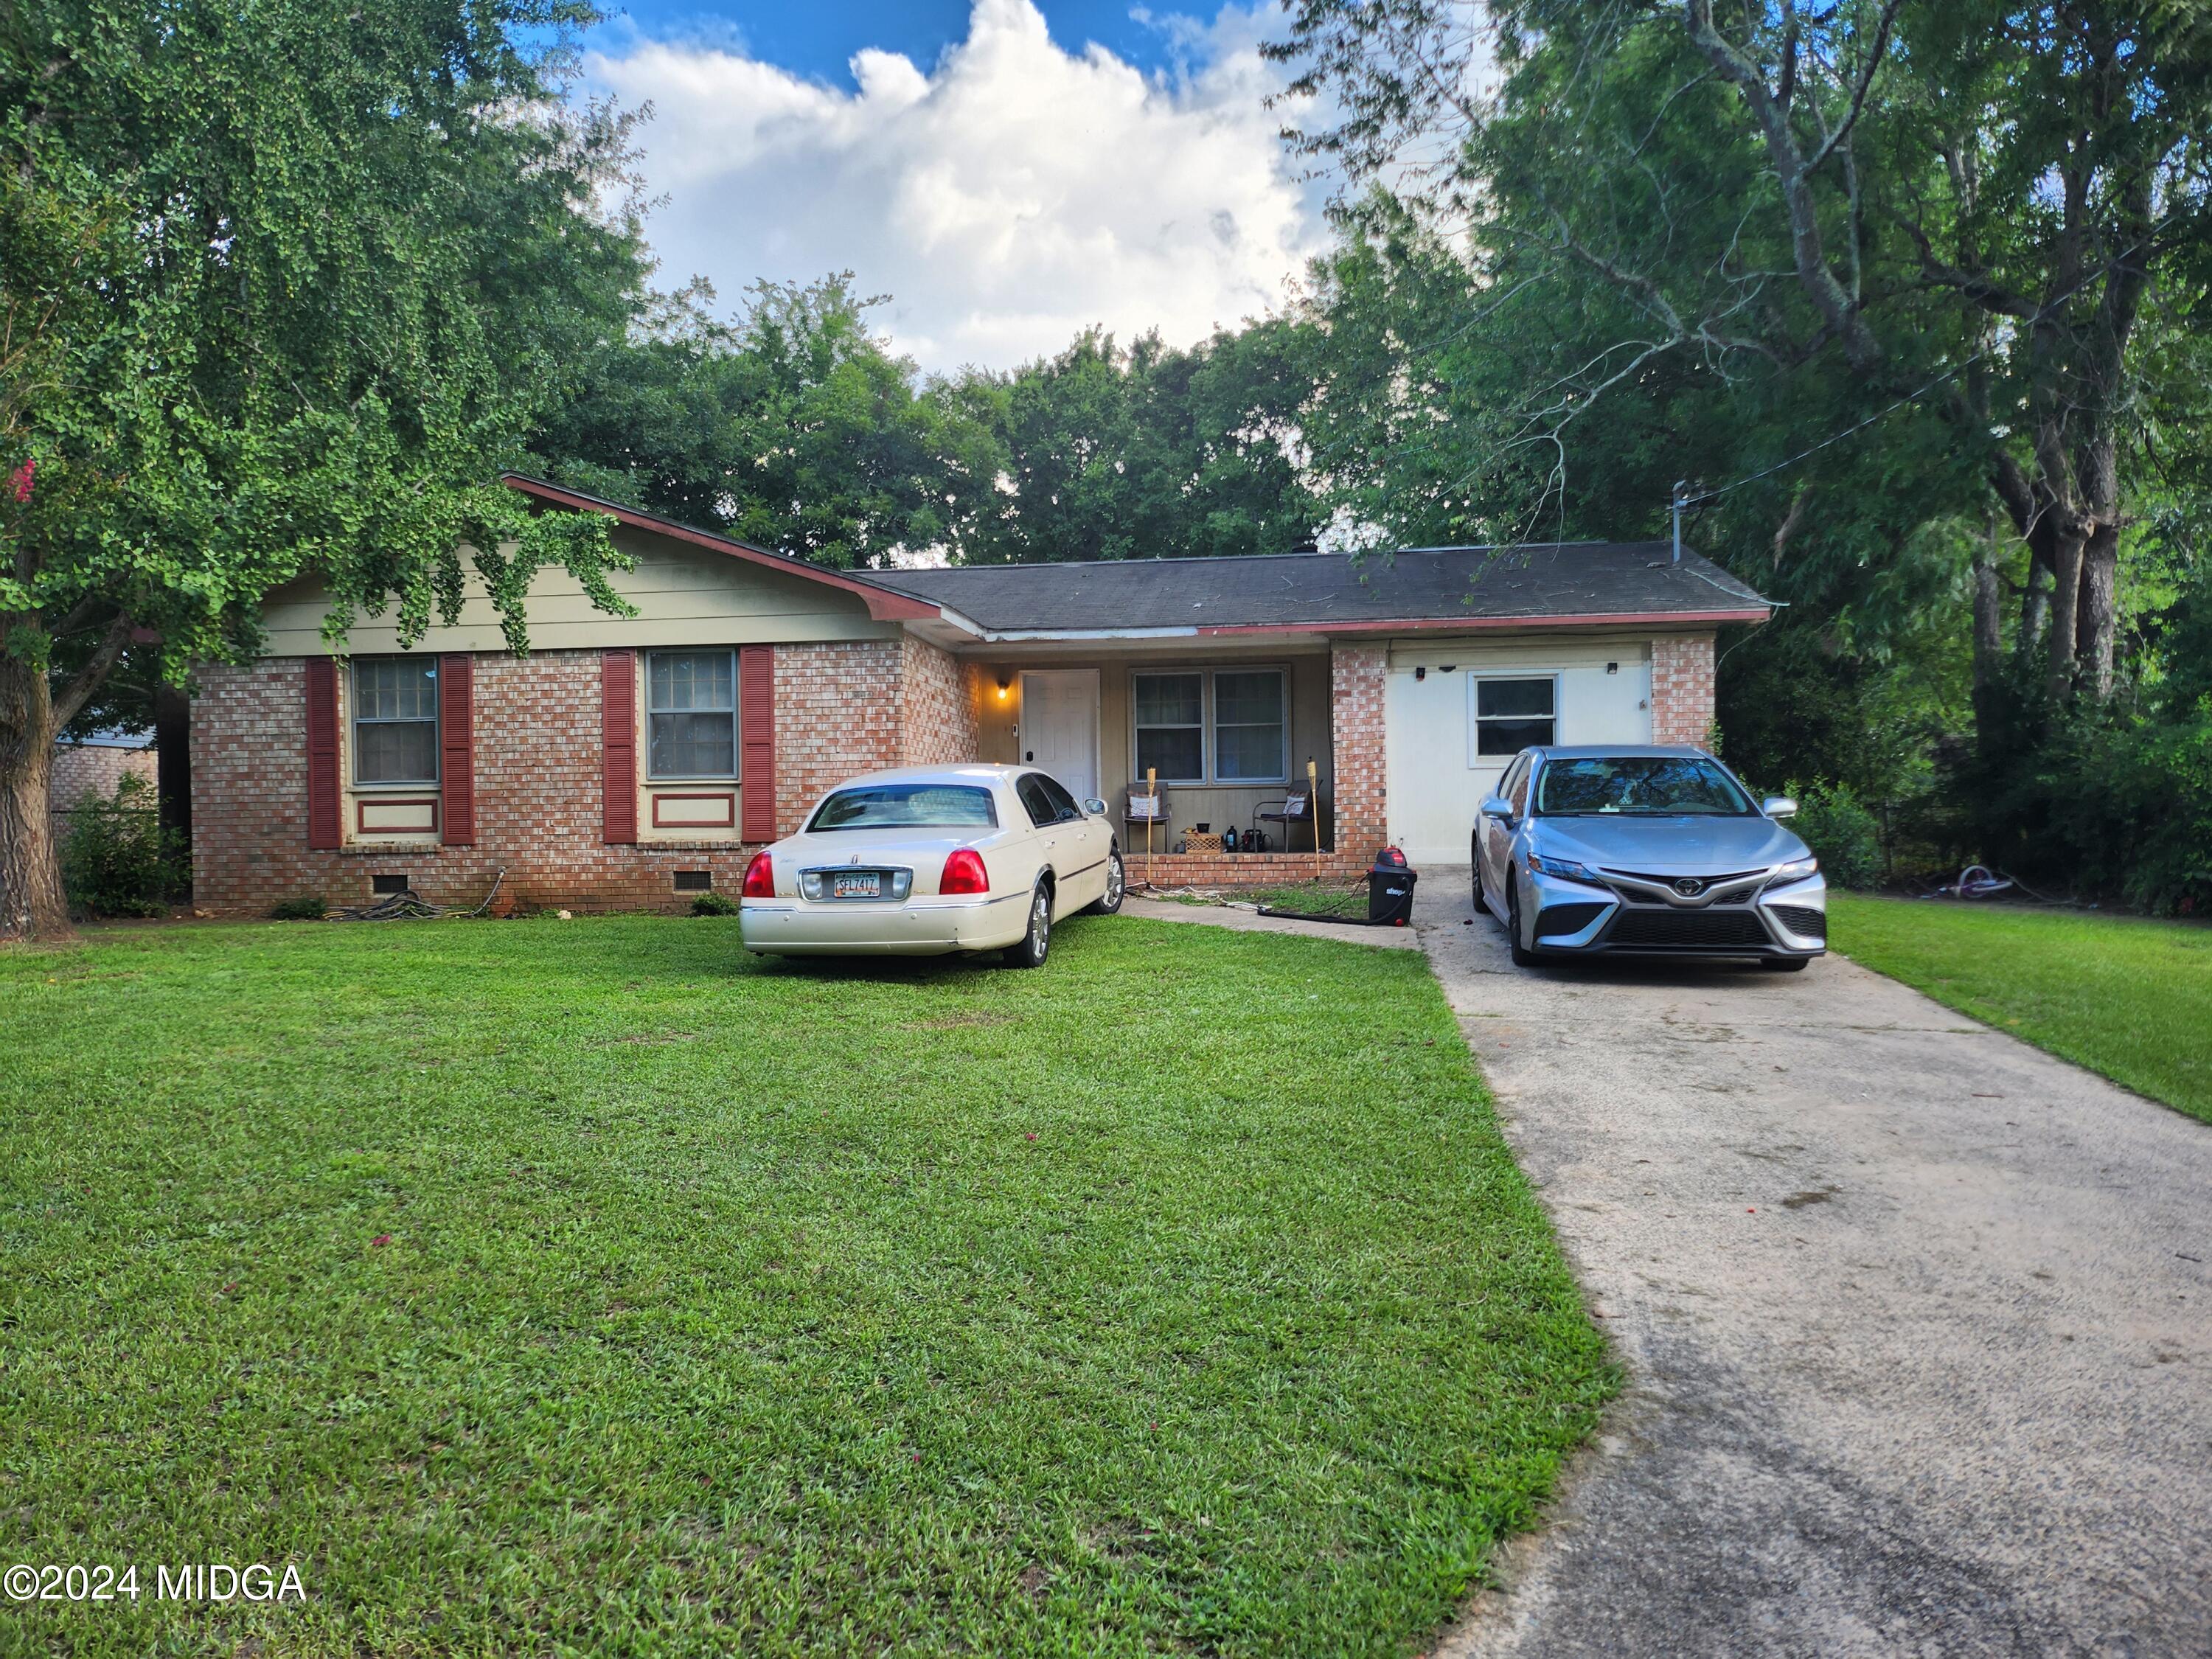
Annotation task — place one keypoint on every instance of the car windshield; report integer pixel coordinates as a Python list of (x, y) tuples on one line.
[(1639, 785), (908, 806)]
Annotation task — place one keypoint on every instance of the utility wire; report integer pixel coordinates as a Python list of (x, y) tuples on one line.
[(1683, 503)]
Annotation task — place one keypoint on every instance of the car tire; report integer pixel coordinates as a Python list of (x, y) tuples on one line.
[(1117, 884), (1523, 955), (1474, 864), (1787, 964), (1036, 942)]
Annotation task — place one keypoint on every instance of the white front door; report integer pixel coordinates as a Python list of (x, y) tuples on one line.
[(1060, 726)]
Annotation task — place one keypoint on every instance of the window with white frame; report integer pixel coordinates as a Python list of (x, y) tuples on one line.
[(691, 715), (1512, 715), (395, 720), (1226, 725), (1251, 725)]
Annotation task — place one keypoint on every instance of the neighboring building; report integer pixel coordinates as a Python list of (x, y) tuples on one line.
[(628, 763), (92, 769)]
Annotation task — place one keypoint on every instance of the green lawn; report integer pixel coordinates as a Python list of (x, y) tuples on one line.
[(2128, 998), (591, 1287), (1326, 898)]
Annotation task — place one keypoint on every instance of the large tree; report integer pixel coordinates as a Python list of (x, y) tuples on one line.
[(281, 283), (1790, 219), (1148, 451), (793, 425)]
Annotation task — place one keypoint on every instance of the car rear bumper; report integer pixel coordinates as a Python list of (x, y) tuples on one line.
[(925, 927), (1573, 919)]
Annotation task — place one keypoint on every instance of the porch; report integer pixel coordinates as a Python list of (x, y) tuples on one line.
[(1228, 730)]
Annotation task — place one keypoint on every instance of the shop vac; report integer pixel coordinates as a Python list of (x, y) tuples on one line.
[(1389, 896)]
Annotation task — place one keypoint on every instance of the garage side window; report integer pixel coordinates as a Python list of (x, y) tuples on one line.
[(395, 720), (1170, 719), (691, 715), (1510, 715)]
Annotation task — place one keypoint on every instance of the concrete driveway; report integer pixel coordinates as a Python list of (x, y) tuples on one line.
[(1917, 1321)]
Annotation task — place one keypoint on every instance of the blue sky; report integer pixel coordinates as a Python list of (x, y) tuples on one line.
[(1009, 173), (819, 39)]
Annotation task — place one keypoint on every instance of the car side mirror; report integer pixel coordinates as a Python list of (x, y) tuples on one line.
[(1500, 808), (1095, 806), (1779, 806)]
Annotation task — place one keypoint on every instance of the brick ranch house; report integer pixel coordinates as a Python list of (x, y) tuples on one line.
[(631, 763)]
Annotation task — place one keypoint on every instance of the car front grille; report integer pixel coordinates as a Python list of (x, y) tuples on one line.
[(1711, 883), (1802, 919), (1554, 921), (1708, 930)]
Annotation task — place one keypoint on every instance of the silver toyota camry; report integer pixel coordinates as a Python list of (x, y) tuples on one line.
[(1652, 851)]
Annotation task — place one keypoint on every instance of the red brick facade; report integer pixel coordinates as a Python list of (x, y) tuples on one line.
[(938, 711), (840, 707), (836, 712), (92, 772), (1356, 676), (1682, 689), (538, 780)]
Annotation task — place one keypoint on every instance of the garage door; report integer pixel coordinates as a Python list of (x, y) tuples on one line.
[(1455, 716)]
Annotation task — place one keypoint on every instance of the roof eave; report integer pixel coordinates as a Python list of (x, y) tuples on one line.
[(1472, 624)]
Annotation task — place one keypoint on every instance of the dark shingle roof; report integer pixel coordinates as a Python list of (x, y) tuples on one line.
[(1537, 583)]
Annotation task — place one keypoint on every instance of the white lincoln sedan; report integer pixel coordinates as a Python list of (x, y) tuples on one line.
[(934, 859)]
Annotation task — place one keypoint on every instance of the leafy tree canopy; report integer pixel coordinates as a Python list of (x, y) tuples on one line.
[(281, 283)]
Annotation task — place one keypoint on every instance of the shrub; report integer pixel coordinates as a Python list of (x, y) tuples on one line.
[(120, 860), (714, 904), (1842, 833), (308, 907)]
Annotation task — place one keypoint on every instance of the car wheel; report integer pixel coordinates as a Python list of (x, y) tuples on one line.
[(1474, 863), (1786, 964), (1036, 942), (1117, 884), (1522, 956)]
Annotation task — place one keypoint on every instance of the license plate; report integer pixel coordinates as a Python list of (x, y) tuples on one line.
[(863, 883)]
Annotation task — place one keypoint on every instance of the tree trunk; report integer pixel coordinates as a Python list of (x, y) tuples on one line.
[(2035, 603), (2067, 547), (2100, 612), (1989, 641), (31, 902)]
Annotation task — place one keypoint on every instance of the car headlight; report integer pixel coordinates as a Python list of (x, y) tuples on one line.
[(1795, 870), (1565, 869)]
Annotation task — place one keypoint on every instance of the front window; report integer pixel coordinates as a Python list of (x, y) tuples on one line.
[(691, 715), (1171, 727), (1250, 734), (395, 720), (908, 806), (1510, 715), (1638, 785), (1238, 718)]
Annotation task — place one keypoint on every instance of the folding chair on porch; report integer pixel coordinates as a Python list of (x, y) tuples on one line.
[(1292, 811)]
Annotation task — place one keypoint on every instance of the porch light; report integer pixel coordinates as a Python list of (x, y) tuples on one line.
[(1005, 682)]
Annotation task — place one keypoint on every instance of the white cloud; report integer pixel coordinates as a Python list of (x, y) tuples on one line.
[(1005, 197)]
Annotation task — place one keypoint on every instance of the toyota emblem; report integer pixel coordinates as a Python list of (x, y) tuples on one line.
[(1689, 887)]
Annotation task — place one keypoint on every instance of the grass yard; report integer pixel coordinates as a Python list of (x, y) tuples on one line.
[(2128, 998), (1325, 898), (592, 1287)]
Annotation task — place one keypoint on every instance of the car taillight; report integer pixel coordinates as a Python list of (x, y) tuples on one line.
[(965, 873), (760, 877)]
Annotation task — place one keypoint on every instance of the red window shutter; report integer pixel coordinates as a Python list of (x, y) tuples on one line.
[(756, 721), (323, 817), (457, 749), (618, 747)]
